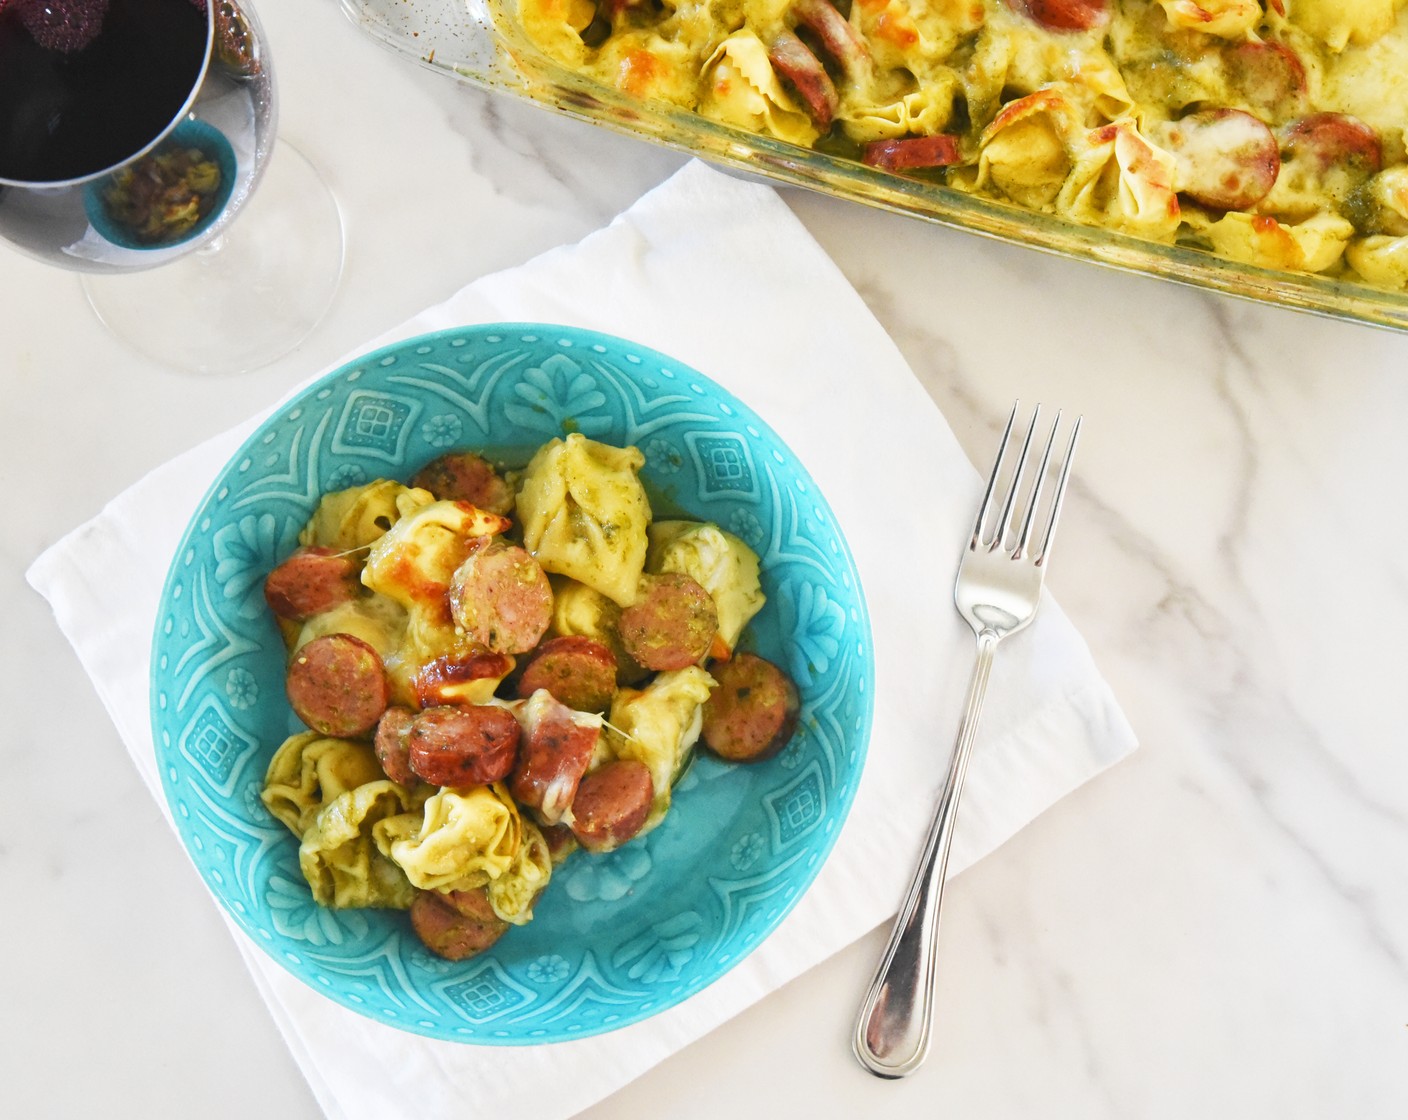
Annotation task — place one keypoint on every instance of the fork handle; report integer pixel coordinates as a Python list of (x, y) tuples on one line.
[(892, 1031)]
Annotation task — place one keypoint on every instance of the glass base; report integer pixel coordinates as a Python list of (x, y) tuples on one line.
[(250, 296)]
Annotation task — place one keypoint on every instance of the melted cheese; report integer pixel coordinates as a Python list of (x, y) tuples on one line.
[(1068, 122)]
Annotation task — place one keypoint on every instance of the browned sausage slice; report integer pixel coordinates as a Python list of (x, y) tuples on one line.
[(337, 686), (612, 804), (1335, 141), (1065, 15), (561, 843), (577, 670), (1269, 75), (311, 581), (456, 924), (1227, 159), (500, 597), (912, 152), (463, 476), (463, 746), (836, 35), (672, 624), (553, 756), (391, 746), (752, 712), (444, 680), (793, 60)]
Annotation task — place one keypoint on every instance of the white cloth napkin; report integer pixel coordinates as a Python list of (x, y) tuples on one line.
[(721, 275)]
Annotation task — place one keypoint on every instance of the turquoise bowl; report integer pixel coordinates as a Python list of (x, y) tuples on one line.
[(616, 938)]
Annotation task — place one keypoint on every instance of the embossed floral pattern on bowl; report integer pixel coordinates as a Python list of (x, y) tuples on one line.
[(619, 937)]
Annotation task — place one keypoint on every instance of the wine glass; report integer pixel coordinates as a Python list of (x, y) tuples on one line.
[(132, 133)]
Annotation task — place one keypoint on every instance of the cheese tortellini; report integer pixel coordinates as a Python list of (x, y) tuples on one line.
[(512, 893), (658, 725), (341, 860), (351, 519), (462, 839), (743, 90), (1245, 128), (310, 770), (584, 514)]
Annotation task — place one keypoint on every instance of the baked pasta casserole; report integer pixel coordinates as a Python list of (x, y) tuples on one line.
[(1270, 133)]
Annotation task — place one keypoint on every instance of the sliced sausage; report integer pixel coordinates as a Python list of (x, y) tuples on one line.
[(337, 686), (912, 152), (561, 843), (463, 746), (391, 745), (463, 476), (500, 597), (456, 924), (472, 904), (793, 60), (752, 712), (1065, 15), (1334, 141), (553, 755), (1226, 159), (612, 804), (311, 581), (579, 671), (836, 35), (1269, 75), (672, 623), (449, 680)]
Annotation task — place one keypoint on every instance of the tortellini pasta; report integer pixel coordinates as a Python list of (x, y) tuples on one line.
[(310, 770), (1311, 246), (462, 839), (1384, 260), (1227, 19), (658, 725), (412, 565), (1125, 182), (513, 893), (351, 519), (1027, 151), (340, 859), (1066, 109), (649, 65), (584, 514), (1337, 23), (743, 90)]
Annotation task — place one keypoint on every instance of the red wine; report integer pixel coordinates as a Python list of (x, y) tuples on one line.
[(85, 84)]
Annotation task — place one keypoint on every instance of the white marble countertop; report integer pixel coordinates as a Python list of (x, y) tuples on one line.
[(1216, 927)]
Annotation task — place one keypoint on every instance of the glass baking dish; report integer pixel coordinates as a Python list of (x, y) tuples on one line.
[(478, 42)]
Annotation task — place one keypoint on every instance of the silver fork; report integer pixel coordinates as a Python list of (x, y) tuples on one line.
[(997, 592)]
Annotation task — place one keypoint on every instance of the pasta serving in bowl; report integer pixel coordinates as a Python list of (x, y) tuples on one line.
[(511, 684)]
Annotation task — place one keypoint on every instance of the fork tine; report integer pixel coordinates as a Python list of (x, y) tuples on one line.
[(1015, 486), (1045, 553), (985, 506), (1037, 487)]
